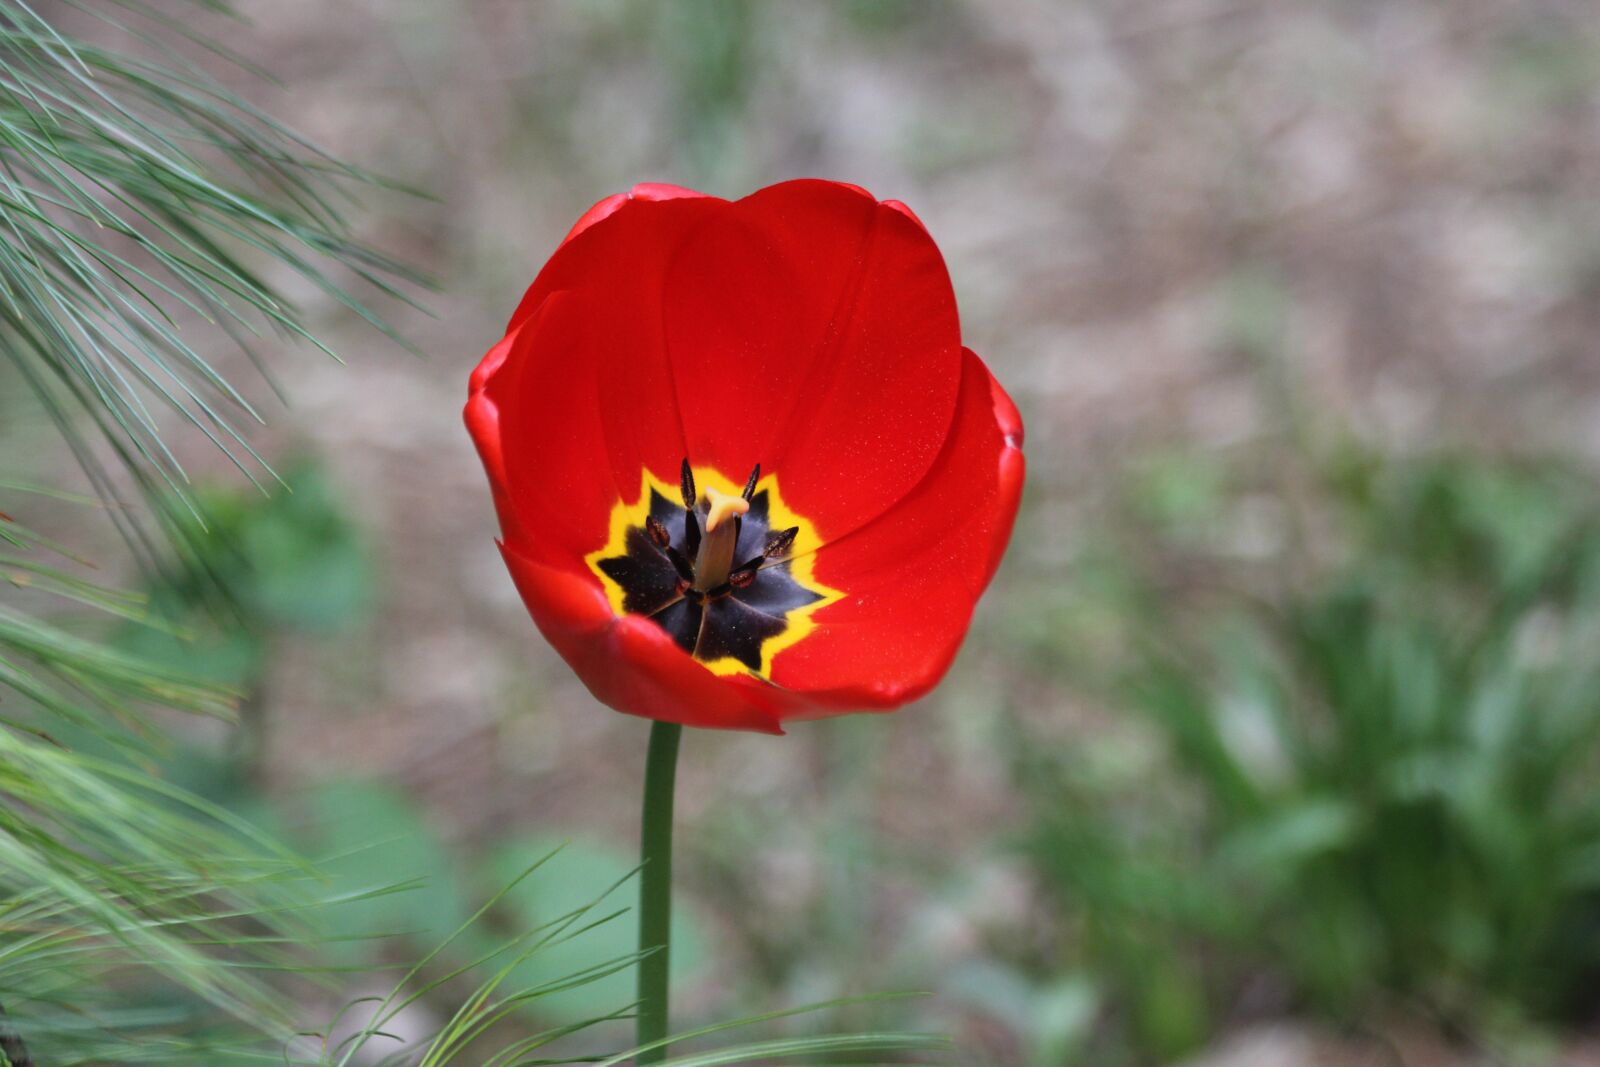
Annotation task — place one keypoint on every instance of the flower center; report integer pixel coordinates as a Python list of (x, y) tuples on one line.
[(726, 572)]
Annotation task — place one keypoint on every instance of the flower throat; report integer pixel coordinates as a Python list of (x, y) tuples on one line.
[(713, 569)]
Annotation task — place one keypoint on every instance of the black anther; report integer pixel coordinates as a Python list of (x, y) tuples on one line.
[(780, 542), (741, 578), (686, 485)]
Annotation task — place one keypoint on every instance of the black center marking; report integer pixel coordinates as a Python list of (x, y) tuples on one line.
[(733, 620)]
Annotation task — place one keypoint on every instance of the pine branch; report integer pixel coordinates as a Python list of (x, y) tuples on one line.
[(143, 209), (138, 198)]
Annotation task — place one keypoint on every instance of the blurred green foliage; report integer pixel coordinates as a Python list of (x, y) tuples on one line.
[(398, 888), (255, 565), (248, 570), (391, 874), (1374, 761), (590, 870), (708, 48)]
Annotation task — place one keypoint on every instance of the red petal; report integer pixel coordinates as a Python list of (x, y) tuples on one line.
[(661, 191), (911, 577), (814, 331), (630, 252), (630, 664), (646, 191), (536, 419), (483, 424), (603, 210), (899, 206), (615, 273), (805, 327), (741, 325)]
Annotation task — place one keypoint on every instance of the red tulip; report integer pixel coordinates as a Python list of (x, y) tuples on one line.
[(744, 468)]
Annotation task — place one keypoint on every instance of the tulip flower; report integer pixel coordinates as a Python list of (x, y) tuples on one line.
[(744, 469)]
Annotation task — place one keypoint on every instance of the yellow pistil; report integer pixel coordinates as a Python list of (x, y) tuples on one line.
[(715, 559), (723, 507)]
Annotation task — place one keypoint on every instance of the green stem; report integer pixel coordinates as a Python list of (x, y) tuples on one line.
[(655, 887)]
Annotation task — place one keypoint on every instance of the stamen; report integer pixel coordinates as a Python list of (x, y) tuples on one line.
[(686, 485), (657, 531), (780, 542), (750, 483), (746, 574)]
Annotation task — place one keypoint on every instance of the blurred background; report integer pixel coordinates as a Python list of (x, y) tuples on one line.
[(1277, 739)]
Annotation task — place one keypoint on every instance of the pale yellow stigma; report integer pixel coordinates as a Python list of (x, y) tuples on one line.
[(722, 507)]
